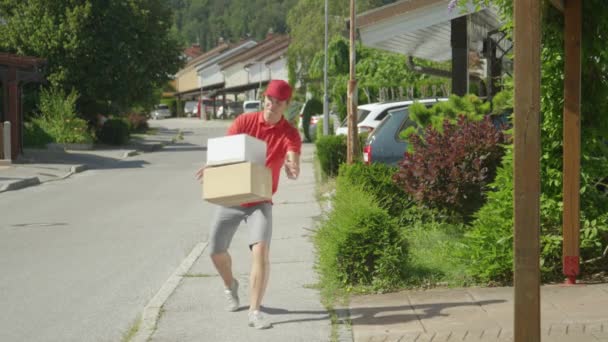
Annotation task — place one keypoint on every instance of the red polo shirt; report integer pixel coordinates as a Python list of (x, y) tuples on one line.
[(280, 138)]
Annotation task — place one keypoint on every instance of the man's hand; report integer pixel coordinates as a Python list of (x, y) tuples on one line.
[(292, 165), (199, 174)]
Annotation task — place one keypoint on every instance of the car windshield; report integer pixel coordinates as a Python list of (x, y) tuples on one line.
[(361, 115), (252, 105), (162, 106)]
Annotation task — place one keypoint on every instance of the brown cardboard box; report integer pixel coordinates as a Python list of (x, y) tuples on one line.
[(234, 184)]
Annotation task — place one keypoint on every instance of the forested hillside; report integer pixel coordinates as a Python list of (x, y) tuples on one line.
[(205, 21)]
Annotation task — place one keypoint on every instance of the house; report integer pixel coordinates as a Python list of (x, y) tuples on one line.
[(209, 72), (249, 71), (16, 71), (186, 80)]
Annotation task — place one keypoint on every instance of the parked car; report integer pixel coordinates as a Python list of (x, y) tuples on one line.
[(224, 112), (383, 144), (191, 108), (314, 120), (161, 111), (370, 115), (252, 106)]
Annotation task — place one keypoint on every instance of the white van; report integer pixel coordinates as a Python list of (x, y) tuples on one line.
[(191, 108)]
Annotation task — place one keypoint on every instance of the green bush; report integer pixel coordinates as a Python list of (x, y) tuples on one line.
[(320, 128), (114, 132), (58, 117), (487, 249), (359, 244), (331, 151), (35, 136), (377, 179)]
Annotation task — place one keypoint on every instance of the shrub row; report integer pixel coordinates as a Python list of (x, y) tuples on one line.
[(359, 244)]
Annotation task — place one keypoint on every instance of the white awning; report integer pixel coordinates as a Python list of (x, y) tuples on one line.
[(422, 28)]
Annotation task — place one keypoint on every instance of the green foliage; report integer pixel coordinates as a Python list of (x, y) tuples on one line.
[(320, 126), (114, 132), (127, 44), (376, 71), (306, 23), (377, 180), (34, 136), (359, 244), (58, 117), (471, 106), (206, 21), (488, 248), (331, 151)]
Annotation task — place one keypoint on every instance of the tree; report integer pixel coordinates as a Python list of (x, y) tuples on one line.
[(377, 70), (306, 22), (114, 53), (206, 21)]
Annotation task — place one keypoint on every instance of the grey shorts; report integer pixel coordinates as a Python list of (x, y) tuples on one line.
[(227, 219)]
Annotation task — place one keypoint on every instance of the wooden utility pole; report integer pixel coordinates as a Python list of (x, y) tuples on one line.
[(572, 138), (527, 151), (352, 144)]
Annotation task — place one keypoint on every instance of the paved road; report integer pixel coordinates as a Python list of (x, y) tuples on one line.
[(81, 257)]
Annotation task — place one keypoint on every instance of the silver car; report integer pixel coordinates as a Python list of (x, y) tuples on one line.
[(161, 111)]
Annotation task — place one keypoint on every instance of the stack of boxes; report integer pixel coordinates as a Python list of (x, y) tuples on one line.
[(236, 171)]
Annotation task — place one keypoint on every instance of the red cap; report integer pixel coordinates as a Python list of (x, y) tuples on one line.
[(279, 89)]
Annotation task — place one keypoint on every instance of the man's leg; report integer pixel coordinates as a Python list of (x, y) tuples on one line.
[(260, 228), (260, 271), (223, 264), (223, 227)]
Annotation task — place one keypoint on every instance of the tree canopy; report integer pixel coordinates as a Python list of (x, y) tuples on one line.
[(206, 21), (115, 54)]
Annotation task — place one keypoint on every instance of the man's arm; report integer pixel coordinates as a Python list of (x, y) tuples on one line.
[(292, 164)]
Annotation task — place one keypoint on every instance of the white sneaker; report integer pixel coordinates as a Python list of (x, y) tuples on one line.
[(232, 296), (257, 320)]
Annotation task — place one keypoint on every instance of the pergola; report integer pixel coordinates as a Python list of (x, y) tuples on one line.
[(527, 153), (14, 72)]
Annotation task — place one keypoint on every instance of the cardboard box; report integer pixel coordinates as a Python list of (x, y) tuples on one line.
[(235, 149), (234, 184)]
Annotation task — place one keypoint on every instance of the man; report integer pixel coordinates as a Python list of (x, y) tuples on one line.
[(283, 152)]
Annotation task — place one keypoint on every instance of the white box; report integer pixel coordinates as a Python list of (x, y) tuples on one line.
[(235, 149)]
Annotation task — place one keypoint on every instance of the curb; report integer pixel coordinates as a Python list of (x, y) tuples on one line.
[(20, 184), (73, 170), (152, 311), (130, 153)]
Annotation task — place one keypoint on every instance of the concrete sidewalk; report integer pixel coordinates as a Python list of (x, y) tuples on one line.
[(568, 313), (194, 311), (36, 166)]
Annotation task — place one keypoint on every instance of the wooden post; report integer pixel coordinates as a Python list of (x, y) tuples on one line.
[(460, 55), (572, 138), (352, 145), (527, 38)]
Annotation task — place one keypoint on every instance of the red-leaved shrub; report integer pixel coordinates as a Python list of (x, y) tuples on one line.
[(450, 169)]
